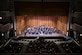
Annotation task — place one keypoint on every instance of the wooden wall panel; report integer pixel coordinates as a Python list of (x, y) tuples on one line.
[(20, 24), (62, 23), (41, 20)]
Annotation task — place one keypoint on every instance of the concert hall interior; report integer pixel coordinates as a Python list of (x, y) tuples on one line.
[(40, 27)]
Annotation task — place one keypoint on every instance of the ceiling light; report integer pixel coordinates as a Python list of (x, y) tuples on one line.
[(0, 17)]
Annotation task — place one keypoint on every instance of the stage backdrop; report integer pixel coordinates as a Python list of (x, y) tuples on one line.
[(36, 14)]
